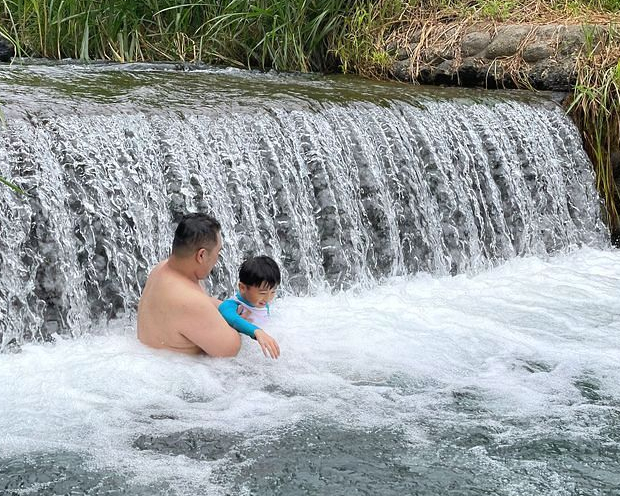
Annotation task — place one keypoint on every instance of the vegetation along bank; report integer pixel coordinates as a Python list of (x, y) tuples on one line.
[(568, 45)]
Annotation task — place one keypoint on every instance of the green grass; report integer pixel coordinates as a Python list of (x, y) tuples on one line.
[(15, 188), (286, 35), (299, 35), (596, 109)]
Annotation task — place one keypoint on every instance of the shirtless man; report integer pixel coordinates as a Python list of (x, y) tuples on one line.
[(174, 312)]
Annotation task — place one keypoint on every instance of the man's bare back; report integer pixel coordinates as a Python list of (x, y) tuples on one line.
[(175, 313)]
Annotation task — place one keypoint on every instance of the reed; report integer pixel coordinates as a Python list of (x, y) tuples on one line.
[(286, 35), (301, 35), (596, 109)]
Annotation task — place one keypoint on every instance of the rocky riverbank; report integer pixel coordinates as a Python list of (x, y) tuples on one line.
[(541, 57)]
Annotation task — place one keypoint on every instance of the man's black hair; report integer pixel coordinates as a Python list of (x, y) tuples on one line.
[(195, 231), (260, 271)]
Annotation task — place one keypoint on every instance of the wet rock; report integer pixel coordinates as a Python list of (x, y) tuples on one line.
[(325, 459), (470, 72), (402, 70), (12, 346), (549, 32), (448, 53), (536, 52), (445, 73), (474, 43), (197, 444), (426, 75), (402, 54), (549, 53), (65, 473), (572, 40), (7, 51), (507, 41), (415, 37), (550, 74)]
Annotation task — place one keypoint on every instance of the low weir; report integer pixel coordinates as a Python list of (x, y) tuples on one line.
[(342, 186)]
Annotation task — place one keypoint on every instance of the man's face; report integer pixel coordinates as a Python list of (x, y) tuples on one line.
[(257, 296), (209, 257)]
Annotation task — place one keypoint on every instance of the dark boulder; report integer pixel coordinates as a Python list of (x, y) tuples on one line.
[(7, 51)]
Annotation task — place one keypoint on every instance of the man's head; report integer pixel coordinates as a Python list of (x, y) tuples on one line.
[(198, 236), (259, 278)]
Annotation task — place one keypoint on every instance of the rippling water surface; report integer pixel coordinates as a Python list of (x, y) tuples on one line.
[(67, 88), (505, 382)]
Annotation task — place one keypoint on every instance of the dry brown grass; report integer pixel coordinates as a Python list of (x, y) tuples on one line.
[(441, 25)]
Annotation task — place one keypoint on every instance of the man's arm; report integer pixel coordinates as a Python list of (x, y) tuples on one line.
[(204, 326), (228, 310)]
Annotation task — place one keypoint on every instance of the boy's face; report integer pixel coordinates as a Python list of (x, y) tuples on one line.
[(257, 296)]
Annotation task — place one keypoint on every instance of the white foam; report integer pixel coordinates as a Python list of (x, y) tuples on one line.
[(516, 337)]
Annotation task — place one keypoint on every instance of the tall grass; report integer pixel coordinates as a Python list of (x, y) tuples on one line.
[(286, 35), (302, 35), (596, 109), (361, 48)]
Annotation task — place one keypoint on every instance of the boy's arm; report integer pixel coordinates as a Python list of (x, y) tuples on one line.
[(228, 310)]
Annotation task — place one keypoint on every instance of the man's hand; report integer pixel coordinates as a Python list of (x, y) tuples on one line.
[(267, 343)]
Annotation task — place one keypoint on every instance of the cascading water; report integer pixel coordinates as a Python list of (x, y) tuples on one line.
[(449, 323), (337, 192)]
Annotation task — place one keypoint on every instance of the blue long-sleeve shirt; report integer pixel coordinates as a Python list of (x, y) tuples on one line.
[(228, 309)]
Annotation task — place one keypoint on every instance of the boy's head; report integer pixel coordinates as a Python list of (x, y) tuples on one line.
[(259, 278)]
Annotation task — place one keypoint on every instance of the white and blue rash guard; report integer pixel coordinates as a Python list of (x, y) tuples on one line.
[(228, 308)]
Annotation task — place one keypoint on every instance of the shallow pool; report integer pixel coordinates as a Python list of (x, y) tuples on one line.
[(505, 382)]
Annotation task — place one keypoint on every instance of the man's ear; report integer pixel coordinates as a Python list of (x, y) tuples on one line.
[(242, 286), (200, 254)]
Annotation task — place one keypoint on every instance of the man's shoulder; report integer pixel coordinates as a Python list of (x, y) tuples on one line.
[(172, 290)]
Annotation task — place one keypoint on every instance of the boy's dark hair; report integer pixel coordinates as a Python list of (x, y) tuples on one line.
[(259, 271), (195, 231)]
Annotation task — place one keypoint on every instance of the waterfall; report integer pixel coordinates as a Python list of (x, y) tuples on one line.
[(338, 191)]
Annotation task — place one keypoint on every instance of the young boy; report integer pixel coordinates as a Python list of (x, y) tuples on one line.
[(259, 278)]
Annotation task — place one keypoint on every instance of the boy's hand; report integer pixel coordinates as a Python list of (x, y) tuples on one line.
[(267, 343)]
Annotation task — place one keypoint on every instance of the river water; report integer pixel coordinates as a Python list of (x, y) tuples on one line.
[(506, 382), (448, 319)]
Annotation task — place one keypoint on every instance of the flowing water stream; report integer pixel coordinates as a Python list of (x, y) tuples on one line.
[(448, 315)]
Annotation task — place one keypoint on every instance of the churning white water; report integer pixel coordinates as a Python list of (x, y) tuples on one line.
[(504, 382)]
